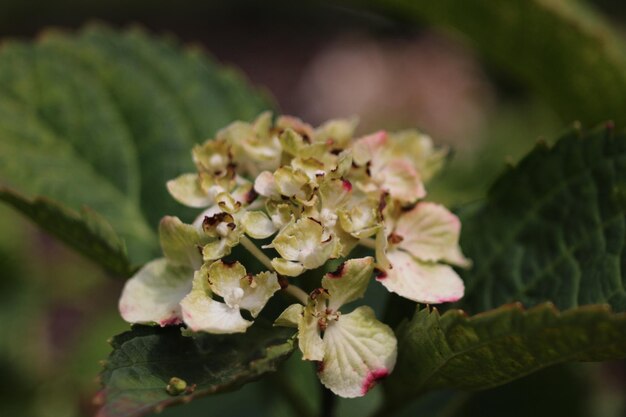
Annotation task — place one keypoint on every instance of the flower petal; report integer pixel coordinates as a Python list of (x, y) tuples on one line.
[(153, 294), (265, 185), (366, 147), (302, 241), (291, 316), (309, 338), (348, 282), (400, 179), (202, 313), (225, 280), (181, 242), (427, 283), (257, 290), (287, 268), (186, 190), (430, 233), (257, 225), (359, 351), (216, 249), (338, 132)]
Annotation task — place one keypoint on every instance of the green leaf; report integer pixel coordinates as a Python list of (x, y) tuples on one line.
[(553, 228), (144, 360), (103, 119), (560, 48), (492, 348), (86, 231)]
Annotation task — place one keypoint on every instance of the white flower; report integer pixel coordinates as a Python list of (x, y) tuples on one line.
[(415, 254), (353, 350)]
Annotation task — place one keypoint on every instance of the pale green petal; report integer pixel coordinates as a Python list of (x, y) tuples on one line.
[(334, 193), (364, 149), (227, 203), (291, 142), (291, 182), (419, 148), (299, 239), (291, 316), (339, 132), (309, 339), (265, 185), (213, 157), (181, 243), (256, 224), (263, 124), (153, 294), (312, 167), (343, 164), (287, 268), (280, 213), (225, 280), (381, 249), (203, 314), (348, 282), (430, 233), (257, 290), (216, 249), (186, 190), (302, 241), (358, 351), (361, 219), (400, 179), (427, 283), (297, 125)]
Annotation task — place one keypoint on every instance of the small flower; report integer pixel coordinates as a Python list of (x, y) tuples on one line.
[(302, 246), (352, 350), (238, 289), (226, 227), (414, 252), (255, 146), (153, 294)]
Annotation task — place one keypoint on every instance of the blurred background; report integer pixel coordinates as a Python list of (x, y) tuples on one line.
[(319, 61)]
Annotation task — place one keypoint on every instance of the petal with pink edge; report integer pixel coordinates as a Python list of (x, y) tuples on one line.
[(359, 351), (422, 282), (202, 313), (430, 232), (153, 294)]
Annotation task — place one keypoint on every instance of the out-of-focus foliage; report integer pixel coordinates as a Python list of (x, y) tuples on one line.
[(110, 135), (562, 49)]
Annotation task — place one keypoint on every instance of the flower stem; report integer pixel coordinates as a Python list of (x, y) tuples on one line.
[(256, 252), (368, 242), (297, 293), (292, 290)]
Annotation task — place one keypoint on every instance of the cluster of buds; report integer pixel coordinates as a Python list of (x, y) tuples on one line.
[(297, 197)]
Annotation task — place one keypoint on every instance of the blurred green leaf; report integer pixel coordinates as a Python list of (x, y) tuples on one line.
[(87, 231), (561, 49), (498, 346), (103, 119), (552, 228), (144, 359)]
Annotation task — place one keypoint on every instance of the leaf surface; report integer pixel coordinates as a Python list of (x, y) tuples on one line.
[(103, 119), (552, 228), (492, 348), (144, 360)]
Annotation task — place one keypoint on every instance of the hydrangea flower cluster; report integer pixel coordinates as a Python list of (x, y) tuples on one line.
[(297, 197)]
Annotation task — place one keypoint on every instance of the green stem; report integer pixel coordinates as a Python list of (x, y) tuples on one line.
[(292, 290), (368, 242), (256, 252), (297, 293)]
